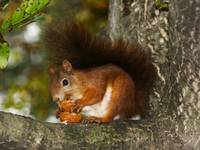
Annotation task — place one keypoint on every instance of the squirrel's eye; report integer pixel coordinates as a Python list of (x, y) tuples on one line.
[(65, 82)]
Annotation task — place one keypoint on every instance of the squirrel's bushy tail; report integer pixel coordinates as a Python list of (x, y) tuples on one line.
[(71, 41)]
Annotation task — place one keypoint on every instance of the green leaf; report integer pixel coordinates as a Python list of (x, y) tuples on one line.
[(31, 7), (17, 17), (5, 26), (4, 53), (43, 3), (23, 14)]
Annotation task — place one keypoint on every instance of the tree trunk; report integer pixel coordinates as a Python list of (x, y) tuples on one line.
[(174, 39), (173, 120)]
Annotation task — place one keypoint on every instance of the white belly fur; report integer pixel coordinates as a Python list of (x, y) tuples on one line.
[(101, 108)]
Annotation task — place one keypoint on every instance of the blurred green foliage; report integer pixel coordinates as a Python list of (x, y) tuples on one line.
[(22, 15), (4, 53), (92, 13), (24, 83), (3, 3)]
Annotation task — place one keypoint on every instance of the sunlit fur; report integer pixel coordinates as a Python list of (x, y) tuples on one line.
[(99, 63)]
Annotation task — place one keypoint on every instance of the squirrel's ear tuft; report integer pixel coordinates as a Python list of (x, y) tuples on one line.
[(66, 66), (51, 70)]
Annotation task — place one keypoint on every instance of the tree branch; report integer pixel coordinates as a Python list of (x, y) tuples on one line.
[(21, 132)]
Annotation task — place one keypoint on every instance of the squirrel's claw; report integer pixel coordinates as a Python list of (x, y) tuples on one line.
[(76, 108)]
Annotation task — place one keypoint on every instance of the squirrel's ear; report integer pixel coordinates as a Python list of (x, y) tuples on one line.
[(66, 66), (51, 70)]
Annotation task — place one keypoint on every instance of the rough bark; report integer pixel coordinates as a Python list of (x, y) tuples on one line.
[(140, 21), (18, 132), (184, 82), (174, 39), (173, 122)]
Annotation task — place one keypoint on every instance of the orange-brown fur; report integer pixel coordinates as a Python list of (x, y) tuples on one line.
[(92, 84), (95, 62)]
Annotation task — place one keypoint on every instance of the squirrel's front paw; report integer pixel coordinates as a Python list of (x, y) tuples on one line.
[(65, 105), (76, 107), (67, 117)]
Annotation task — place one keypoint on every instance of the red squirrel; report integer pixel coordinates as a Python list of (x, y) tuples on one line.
[(104, 79)]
